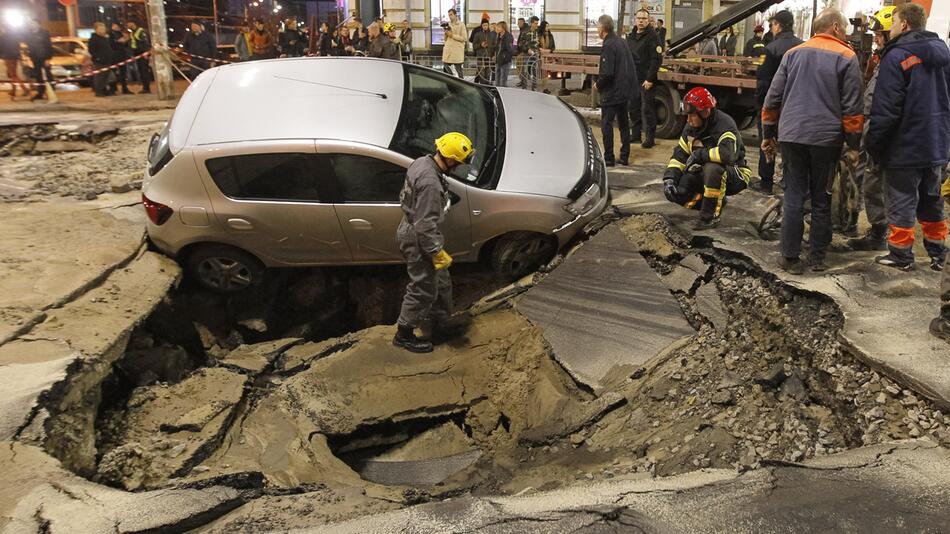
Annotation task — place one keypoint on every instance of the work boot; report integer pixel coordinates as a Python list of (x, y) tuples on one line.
[(936, 264), (705, 223), (624, 162), (791, 265), (649, 143), (872, 240), (940, 327), (407, 339), (890, 260), (816, 262), (610, 163)]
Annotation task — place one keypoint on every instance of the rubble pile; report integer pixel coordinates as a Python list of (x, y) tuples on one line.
[(81, 161)]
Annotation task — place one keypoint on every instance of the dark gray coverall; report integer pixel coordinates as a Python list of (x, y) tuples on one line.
[(424, 200)]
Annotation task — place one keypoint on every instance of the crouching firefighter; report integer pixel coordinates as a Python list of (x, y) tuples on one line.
[(709, 162), (425, 200)]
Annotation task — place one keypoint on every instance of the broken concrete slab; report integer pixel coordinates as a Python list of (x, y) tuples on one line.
[(255, 358), (426, 472), (876, 301), (90, 332), (603, 308), (569, 421), (46, 263), (62, 146), (680, 279), (37, 495), (710, 305), (173, 427), (890, 488)]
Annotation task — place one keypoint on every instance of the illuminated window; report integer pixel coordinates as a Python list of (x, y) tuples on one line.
[(593, 9), (439, 14), (524, 9)]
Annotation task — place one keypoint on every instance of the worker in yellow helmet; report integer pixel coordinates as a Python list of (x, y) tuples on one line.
[(425, 200), (868, 174)]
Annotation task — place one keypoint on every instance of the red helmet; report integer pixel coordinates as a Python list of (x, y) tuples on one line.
[(758, 28), (698, 99)]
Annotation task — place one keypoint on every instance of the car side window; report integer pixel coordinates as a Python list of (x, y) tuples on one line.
[(275, 176), (367, 179)]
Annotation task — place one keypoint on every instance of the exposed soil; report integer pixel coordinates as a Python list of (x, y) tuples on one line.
[(295, 397)]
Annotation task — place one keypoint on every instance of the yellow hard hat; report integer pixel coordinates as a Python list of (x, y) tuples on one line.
[(388, 27), (455, 146), (883, 19)]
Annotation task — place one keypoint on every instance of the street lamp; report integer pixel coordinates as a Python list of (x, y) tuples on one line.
[(14, 18)]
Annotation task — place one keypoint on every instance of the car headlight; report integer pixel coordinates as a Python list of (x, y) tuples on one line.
[(585, 202)]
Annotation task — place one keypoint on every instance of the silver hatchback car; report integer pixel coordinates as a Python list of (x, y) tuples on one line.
[(299, 162)]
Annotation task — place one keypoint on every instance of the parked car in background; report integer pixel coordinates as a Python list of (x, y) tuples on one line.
[(69, 56), (309, 171)]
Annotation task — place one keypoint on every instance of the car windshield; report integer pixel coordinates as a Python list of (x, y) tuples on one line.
[(435, 104)]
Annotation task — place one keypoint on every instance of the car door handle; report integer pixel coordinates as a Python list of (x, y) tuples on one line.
[(240, 224), (361, 224)]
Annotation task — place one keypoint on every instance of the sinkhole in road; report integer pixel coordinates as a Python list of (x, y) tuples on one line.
[(302, 387)]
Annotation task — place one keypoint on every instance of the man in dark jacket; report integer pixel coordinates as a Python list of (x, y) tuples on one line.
[(813, 107), (647, 53), (290, 41), (504, 55), (909, 136), (727, 43), (379, 44), (41, 51), (119, 39), (100, 48), (616, 82), (783, 41), (200, 43)]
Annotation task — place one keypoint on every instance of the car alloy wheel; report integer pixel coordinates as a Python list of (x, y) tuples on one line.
[(225, 274)]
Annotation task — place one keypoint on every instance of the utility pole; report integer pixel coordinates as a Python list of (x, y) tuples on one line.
[(161, 55)]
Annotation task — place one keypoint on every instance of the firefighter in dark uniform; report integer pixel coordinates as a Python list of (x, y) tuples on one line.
[(647, 50), (709, 162), (425, 200)]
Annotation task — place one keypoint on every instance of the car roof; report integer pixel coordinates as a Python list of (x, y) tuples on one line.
[(350, 99)]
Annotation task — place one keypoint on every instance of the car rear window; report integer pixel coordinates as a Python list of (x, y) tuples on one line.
[(274, 176)]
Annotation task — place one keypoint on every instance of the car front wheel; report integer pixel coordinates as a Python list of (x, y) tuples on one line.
[(520, 253), (224, 269)]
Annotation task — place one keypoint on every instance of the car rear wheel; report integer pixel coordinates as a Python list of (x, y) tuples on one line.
[(669, 122), (517, 254), (224, 269)]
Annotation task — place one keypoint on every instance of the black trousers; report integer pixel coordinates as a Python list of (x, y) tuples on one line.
[(706, 190), (42, 73), (643, 110), (808, 171), (607, 116), (145, 72)]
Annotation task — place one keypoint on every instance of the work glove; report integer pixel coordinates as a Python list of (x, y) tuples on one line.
[(694, 164), (669, 190), (945, 189), (441, 260)]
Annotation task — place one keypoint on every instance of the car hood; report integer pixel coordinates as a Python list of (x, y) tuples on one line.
[(544, 145)]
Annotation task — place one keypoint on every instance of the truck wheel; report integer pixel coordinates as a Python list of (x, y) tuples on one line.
[(223, 268), (669, 123), (519, 253)]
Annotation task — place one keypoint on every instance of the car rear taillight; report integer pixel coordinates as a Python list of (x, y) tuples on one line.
[(157, 213)]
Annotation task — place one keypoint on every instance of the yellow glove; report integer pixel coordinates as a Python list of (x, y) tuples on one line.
[(441, 260), (945, 189)]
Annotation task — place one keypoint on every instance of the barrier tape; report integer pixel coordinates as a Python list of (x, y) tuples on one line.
[(182, 52), (85, 75)]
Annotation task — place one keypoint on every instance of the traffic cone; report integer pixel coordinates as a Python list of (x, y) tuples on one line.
[(51, 94)]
